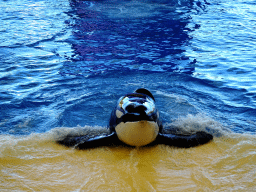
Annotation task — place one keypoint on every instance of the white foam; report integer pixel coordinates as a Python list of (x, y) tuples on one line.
[(198, 122), (90, 131)]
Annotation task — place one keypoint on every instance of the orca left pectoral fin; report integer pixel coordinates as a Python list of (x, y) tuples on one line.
[(185, 141), (98, 141), (71, 140), (82, 142)]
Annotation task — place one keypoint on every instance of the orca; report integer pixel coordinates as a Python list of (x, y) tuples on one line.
[(135, 121)]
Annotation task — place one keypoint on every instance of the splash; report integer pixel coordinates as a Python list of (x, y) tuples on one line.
[(90, 131), (198, 122)]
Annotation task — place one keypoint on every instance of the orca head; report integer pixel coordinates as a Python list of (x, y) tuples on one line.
[(137, 121)]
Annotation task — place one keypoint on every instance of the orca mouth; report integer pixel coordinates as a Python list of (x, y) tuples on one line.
[(133, 109), (133, 117)]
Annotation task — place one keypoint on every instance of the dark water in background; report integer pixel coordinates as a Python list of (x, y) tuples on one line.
[(65, 63)]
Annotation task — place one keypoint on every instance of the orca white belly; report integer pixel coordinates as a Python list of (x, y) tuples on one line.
[(137, 133)]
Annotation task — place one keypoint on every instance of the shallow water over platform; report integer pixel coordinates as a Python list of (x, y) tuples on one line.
[(36, 163)]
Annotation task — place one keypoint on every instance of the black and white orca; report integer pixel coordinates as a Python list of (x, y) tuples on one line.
[(135, 121)]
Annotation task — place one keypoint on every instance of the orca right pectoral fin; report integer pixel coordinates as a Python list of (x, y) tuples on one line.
[(82, 142), (185, 141)]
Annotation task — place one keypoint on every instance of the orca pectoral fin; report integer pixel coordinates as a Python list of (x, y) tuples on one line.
[(82, 142), (185, 141), (98, 141)]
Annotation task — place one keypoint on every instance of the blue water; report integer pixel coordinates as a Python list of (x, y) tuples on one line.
[(65, 63)]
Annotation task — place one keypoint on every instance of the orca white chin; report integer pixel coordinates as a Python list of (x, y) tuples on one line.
[(138, 133)]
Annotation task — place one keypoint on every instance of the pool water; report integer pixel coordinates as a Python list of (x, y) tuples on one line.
[(65, 63)]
